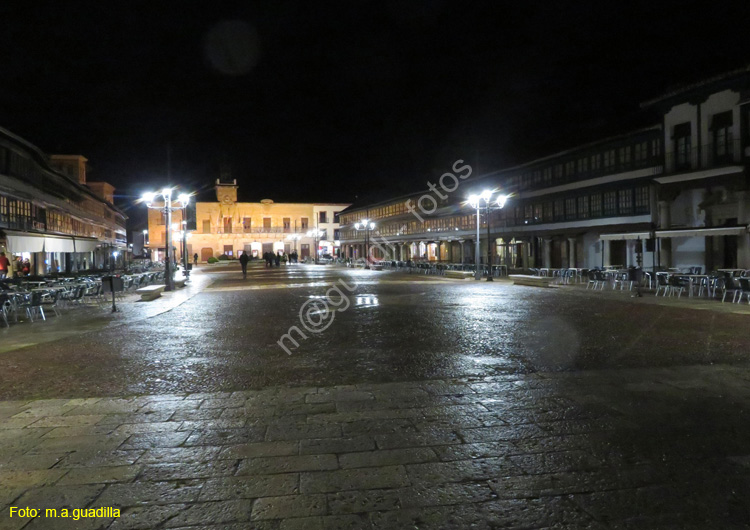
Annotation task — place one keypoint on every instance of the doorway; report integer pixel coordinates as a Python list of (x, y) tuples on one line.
[(206, 253), (618, 253)]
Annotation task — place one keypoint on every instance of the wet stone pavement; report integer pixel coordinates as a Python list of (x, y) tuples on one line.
[(427, 404)]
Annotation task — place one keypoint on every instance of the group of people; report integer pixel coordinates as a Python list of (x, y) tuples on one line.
[(272, 259), (20, 267)]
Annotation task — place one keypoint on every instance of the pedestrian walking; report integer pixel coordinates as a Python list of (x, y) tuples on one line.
[(278, 259), (195, 259), (4, 265), (243, 263)]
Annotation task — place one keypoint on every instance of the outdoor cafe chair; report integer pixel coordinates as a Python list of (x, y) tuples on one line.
[(33, 306), (709, 284), (677, 284), (662, 282), (76, 295), (93, 293), (744, 289), (730, 286), (6, 306), (50, 301), (601, 280)]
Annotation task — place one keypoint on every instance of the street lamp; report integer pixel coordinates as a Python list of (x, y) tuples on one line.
[(295, 238), (476, 202), (163, 201), (184, 200), (315, 234), (367, 226)]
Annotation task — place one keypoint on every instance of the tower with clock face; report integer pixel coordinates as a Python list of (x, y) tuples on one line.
[(226, 191)]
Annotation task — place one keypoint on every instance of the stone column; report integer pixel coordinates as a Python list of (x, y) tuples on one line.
[(743, 241), (572, 252), (665, 244), (525, 246), (547, 257), (463, 256)]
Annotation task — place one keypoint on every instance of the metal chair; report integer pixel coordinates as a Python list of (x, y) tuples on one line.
[(729, 286), (33, 306), (662, 282), (677, 284), (744, 289), (601, 280), (50, 301)]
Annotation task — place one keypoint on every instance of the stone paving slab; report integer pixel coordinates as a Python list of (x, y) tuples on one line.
[(636, 448)]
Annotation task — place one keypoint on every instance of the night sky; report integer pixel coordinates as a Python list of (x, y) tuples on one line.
[(337, 101)]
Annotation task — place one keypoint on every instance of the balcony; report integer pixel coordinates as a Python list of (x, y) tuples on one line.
[(264, 230), (707, 156)]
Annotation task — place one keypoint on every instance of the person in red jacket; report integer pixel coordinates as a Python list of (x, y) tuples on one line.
[(4, 265)]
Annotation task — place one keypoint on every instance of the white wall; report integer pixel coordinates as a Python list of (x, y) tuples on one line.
[(592, 256), (715, 104), (684, 210), (686, 112)]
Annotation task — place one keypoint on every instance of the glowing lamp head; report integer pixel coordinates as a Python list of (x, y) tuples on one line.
[(358, 226), (486, 196), (149, 197), (501, 200), (166, 192), (184, 199), (474, 200)]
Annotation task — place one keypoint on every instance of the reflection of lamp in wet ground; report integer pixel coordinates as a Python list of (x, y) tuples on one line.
[(366, 225), (475, 202)]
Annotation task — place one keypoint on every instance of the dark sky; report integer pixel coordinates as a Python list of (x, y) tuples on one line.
[(328, 101)]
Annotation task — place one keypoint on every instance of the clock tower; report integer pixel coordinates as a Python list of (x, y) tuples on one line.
[(226, 191)]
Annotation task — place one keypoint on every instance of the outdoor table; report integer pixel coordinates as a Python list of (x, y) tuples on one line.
[(734, 272), (691, 280), (579, 273), (502, 270)]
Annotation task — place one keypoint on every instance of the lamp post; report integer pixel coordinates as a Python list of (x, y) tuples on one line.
[(476, 202), (165, 203), (145, 243), (367, 226), (184, 200), (315, 234), (112, 280), (294, 237)]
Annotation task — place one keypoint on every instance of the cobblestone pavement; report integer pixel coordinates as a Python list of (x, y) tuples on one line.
[(632, 448), (497, 435)]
